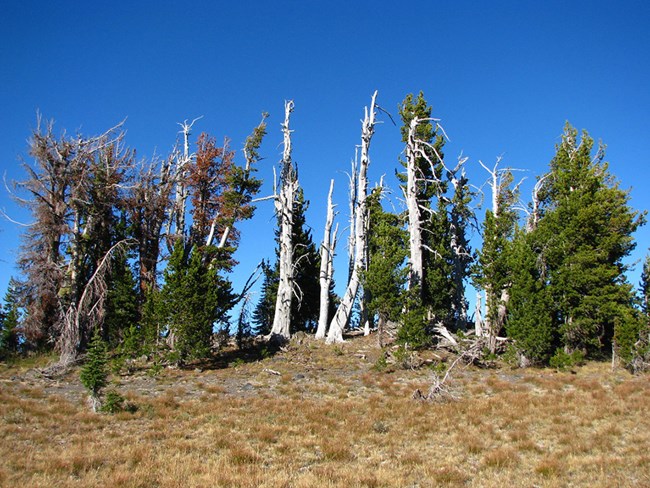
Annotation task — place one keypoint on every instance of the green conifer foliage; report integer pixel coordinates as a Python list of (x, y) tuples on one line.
[(586, 230), (265, 308), (632, 337), (492, 272), (384, 279), (9, 321), (645, 286), (122, 302), (94, 374), (195, 299), (529, 321), (432, 186)]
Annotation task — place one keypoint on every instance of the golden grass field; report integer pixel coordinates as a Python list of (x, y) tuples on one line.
[(329, 419)]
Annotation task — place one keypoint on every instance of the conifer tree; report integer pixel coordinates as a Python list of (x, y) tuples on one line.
[(94, 374), (461, 216), (265, 308), (586, 229), (386, 275), (529, 321), (430, 188), (195, 299), (645, 286), (121, 302), (492, 272), (10, 321)]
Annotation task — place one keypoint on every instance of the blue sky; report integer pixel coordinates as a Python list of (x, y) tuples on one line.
[(503, 76)]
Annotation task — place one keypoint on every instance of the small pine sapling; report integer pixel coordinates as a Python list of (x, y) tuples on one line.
[(94, 374)]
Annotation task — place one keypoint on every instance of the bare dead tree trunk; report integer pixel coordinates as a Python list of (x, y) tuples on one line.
[(284, 208), (533, 218), (342, 317), (494, 323), (326, 266), (182, 163), (353, 211), (478, 316), (416, 268)]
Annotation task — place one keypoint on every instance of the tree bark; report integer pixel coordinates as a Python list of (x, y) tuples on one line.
[(342, 316), (416, 268), (284, 207), (182, 163), (326, 266)]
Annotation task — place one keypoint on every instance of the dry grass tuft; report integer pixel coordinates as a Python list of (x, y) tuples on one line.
[(501, 457)]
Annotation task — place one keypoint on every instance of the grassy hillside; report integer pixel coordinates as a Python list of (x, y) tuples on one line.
[(329, 418)]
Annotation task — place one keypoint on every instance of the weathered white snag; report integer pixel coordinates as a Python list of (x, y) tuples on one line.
[(342, 316), (498, 182), (182, 163), (416, 268), (326, 266), (415, 149), (284, 209)]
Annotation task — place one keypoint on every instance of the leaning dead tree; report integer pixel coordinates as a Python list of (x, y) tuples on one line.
[(326, 265), (284, 208), (342, 316), (84, 316)]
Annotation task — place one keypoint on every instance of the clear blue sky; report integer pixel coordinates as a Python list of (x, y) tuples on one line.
[(503, 76)]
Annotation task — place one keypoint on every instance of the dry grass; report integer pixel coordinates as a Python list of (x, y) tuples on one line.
[(329, 419)]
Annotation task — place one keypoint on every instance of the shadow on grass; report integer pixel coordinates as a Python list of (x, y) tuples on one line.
[(250, 352)]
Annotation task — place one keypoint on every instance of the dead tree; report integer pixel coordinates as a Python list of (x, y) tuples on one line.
[(183, 161), (148, 203), (533, 216), (496, 286), (326, 265), (284, 208), (418, 214), (82, 317), (352, 194), (342, 316), (72, 192)]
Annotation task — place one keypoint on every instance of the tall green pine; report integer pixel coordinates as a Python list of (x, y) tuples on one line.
[(386, 275), (586, 231)]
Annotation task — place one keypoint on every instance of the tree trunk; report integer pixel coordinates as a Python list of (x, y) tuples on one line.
[(326, 266), (478, 317), (342, 317), (284, 207), (182, 163), (416, 268)]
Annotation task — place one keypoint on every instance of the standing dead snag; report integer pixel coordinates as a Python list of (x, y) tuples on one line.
[(183, 162), (284, 208), (498, 228), (415, 149), (326, 265), (342, 317)]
